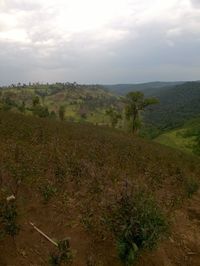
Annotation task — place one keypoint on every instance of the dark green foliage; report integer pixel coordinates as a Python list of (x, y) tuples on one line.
[(135, 103), (177, 105), (47, 191), (137, 223), (63, 256), (149, 88), (41, 111), (149, 132), (36, 101), (114, 116), (7, 103), (8, 218)]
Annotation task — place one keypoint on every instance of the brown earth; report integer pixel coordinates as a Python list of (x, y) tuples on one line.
[(92, 163)]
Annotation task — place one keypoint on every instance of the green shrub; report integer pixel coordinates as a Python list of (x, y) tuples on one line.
[(137, 223), (63, 255), (191, 186), (47, 191), (8, 218)]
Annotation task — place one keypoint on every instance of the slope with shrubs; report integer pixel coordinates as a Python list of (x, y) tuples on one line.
[(80, 102), (106, 198)]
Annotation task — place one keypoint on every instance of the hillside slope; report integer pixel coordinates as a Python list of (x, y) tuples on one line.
[(81, 102), (66, 178), (183, 138), (176, 106), (148, 88)]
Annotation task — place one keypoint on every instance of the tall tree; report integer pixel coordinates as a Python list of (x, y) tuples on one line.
[(135, 104)]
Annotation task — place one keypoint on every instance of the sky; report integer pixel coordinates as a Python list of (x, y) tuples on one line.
[(99, 41)]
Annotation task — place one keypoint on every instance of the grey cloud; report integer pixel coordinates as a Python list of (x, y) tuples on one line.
[(195, 3), (145, 52)]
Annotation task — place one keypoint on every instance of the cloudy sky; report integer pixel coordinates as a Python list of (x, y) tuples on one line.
[(99, 41)]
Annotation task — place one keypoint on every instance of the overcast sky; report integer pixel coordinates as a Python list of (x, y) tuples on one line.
[(99, 41)]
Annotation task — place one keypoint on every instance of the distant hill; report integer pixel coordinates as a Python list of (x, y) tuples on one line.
[(177, 105), (148, 88), (81, 102), (88, 103)]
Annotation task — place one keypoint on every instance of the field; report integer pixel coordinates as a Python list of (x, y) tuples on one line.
[(91, 185)]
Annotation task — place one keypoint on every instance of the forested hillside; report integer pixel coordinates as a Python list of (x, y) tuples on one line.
[(177, 105), (148, 88)]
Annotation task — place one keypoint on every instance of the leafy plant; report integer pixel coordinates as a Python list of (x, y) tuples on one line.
[(63, 255), (47, 191), (8, 218), (136, 222), (135, 103)]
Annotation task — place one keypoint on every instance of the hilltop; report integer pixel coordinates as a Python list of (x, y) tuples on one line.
[(78, 180)]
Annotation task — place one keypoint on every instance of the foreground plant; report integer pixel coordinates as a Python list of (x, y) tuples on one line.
[(137, 223), (63, 255), (8, 219)]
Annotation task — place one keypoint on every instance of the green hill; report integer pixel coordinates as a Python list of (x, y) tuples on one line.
[(81, 102), (148, 88), (112, 197), (177, 105), (184, 138)]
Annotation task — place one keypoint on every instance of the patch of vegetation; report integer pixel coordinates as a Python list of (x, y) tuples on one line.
[(137, 223), (63, 255), (66, 101), (8, 218), (178, 104), (48, 191), (184, 138)]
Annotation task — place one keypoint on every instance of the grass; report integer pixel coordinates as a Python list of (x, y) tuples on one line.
[(176, 139)]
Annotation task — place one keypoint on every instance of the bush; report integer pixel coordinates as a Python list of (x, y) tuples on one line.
[(8, 218), (137, 223), (62, 255), (47, 191)]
